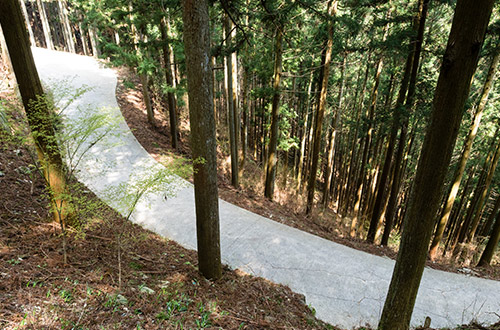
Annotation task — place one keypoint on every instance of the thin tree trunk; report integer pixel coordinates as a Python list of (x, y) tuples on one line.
[(304, 136), (172, 108), (232, 102), (460, 61), (482, 197), (324, 75), (273, 141), (28, 23), (45, 24), (68, 33), (333, 136), (492, 244)]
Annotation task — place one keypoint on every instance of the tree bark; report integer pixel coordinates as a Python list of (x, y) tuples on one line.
[(324, 76), (45, 25), (68, 33), (459, 63), (203, 142), (39, 111), (273, 141), (28, 23), (492, 244), (172, 111), (232, 102)]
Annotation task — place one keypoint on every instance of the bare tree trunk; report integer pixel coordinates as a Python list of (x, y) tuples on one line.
[(172, 111), (304, 137), (273, 141), (39, 111), (45, 24), (83, 36), (232, 102), (492, 244), (333, 136), (203, 142), (28, 23), (324, 75), (459, 63), (68, 33)]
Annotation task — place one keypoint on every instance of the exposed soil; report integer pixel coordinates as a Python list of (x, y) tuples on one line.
[(288, 207)]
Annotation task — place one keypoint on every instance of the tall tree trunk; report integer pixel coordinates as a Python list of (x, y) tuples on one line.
[(459, 63), (492, 244), (324, 76), (484, 192), (203, 142), (45, 24), (396, 122), (28, 23), (67, 31), (94, 41), (273, 141), (485, 231), (459, 172), (333, 136), (466, 222), (172, 111), (39, 111), (304, 136), (232, 102), (83, 36), (399, 165)]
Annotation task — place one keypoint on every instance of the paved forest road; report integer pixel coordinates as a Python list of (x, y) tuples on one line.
[(345, 286)]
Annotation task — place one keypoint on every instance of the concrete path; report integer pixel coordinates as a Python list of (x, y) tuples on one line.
[(345, 286)]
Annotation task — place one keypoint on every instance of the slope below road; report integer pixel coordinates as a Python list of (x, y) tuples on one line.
[(346, 287)]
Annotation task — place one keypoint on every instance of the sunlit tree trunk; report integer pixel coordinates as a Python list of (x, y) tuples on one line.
[(304, 136), (203, 141), (232, 101), (169, 77), (45, 24), (39, 111), (28, 23), (492, 244), (67, 31), (459, 63), (272, 156)]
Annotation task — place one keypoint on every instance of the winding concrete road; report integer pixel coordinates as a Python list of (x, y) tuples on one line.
[(345, 286)]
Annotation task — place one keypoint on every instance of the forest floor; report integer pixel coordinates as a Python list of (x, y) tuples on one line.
[(159, 286), (288, 207)]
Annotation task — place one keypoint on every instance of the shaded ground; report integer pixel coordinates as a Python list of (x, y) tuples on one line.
[(288, 206)]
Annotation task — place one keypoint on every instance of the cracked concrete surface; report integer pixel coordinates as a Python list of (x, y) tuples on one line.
[(346, 287)]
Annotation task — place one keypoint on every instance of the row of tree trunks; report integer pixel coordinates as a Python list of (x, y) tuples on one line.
[(457, 178), (459, 63), (318, 122)]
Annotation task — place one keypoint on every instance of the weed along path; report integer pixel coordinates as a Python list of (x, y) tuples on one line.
[(346, 287)]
